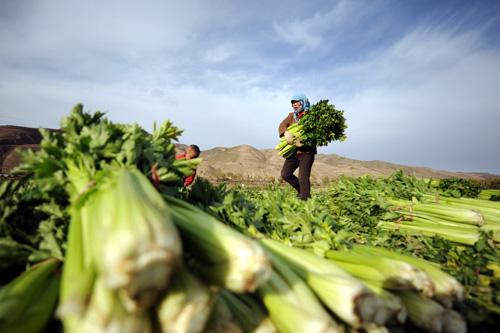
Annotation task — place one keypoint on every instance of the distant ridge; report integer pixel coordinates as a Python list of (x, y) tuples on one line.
[(245, 163)]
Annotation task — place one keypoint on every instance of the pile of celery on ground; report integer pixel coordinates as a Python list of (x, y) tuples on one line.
[(125, 183)]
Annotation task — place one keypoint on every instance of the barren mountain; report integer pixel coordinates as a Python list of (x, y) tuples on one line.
[(247, 164), (242, 163)]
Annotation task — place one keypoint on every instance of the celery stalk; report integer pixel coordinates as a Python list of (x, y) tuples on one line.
[(342, 293), (221, 319), (229, 258), (251, 316), (292, 305), (388, 273), (423, 312), (453, 322), (140, 246), (447, 289), (396, 311), (187, 305), (106, 314)]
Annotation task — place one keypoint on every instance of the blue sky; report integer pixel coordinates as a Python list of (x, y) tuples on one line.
[(419, 80)]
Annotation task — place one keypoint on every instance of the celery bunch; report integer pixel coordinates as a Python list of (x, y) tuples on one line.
[(319, 126), (122, 242)]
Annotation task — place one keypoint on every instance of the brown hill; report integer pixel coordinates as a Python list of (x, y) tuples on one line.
[(247, 164), (13, 138), (243, 163)]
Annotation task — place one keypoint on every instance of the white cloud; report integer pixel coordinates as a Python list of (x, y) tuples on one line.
[(208, 118), (420, 53), (106, 26), (430, 99), (220, 53), (220, 71), (314, 31)]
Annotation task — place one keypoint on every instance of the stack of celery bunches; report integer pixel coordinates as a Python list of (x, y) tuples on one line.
[(111, 243), (320, 125)]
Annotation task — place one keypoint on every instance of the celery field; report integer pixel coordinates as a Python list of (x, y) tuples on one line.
[(98, 234)]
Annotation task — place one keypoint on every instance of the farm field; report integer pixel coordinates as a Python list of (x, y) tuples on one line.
[(98, 234)]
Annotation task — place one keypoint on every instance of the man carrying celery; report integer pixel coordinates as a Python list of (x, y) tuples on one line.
[(303, 157)]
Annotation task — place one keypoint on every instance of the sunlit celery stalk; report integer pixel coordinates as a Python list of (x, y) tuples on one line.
[(454, 234), (187, 305), (466, 202), (285, 149), (442, 211), (184, 166), (489, 210), (106, 314), (291, 304), (447, 289), (77, 277), (396, 311), (140, 246), (453, 322), (341, 292), (418, 218), (251, 316), (486, 194), (423, 312), (27, 303), (385, 272), (228, 258), (494, 229)]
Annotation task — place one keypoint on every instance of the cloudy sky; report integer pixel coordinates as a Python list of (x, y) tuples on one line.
[(419, 80)]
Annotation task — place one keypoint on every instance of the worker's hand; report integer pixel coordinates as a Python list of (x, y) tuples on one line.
[(298, 142), (289, 137)]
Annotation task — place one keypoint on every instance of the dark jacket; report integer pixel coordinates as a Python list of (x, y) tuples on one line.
[(282, 128)]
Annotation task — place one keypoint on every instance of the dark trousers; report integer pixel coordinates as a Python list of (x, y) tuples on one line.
[(304, 162)]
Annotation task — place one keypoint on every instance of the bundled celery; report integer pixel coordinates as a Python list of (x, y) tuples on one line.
[(396, 311), (116, 272), (122, 249), (440, 211), (467, 202), (285, 149), (343, 294), (383, 271), (227, 257), (422, 227), (27, 303), (490, 211), (453, 322), (320, 125), (251, 316), (140, 244), (423, 312), (187, 305), (106, 314), (291, 304), (221, 319), (447, 289)]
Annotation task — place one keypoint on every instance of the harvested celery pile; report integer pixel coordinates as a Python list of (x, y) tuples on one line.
[(139, 253)]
